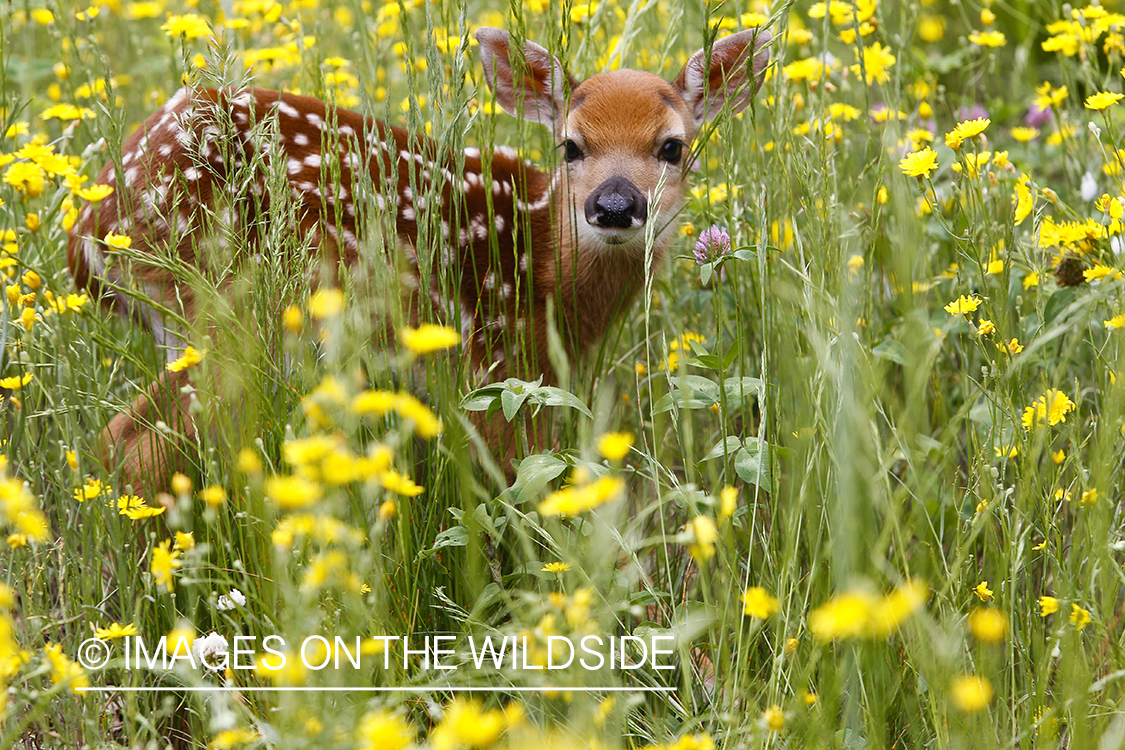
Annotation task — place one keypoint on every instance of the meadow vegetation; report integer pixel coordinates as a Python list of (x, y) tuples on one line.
[(855, 451)]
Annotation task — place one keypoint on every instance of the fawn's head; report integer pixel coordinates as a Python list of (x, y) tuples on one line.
[(625, 135)]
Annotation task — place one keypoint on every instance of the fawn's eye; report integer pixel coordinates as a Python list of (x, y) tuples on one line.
[(672, 150), (571, 150)]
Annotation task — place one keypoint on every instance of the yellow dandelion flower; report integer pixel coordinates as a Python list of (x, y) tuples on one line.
[(774, 718), (575, 499), (988, 38), (467, 724), (970, 693), (844, 616), (190, 358), (291, 492), (1103, 100), (188, 26), (1024, 134), (1048, 605), (63, 670), (1080, 617), (91, 489), (400, 484), (988, 625), (213, 495), (383, 730), (115, 631), (965, 130), (164, 562), (985, 327), (95, 193), (963, 305), (1052, 406), (615, 445), (555, 567), (757, 602), (877, 59), (428, 338), (119, 241), (919, 163), (15, 382), (326, 303)]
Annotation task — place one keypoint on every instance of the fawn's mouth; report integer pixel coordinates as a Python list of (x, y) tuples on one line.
[(616, 235)]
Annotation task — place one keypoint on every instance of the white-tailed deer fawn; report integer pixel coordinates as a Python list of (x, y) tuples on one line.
[(511, 240)]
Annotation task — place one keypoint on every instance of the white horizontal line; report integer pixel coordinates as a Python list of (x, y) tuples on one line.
[(423, 689)]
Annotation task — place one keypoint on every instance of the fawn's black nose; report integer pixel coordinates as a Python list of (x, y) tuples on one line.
[(616, 204)]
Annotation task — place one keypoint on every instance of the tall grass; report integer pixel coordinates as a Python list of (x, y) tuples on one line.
[(910, 515)]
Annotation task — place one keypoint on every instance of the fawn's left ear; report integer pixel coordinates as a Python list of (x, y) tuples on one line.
[(737, 65), (537, 92)]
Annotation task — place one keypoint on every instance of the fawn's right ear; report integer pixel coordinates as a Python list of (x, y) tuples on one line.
[(540, 94)]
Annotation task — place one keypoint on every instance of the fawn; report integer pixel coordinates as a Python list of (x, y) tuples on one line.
[(512, 237)]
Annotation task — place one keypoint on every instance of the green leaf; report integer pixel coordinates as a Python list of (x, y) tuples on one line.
[(705, 272), (892, 350), (692, 392), (738, 388), (550, 396), (744, 253), (511, 402), (481, 399), (723, 447), (731, 354), (707, 361), (752, 464), (1058, 302), (535, 472), (458, 536)]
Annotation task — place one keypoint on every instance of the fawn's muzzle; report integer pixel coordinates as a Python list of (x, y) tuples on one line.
[(616, 204)]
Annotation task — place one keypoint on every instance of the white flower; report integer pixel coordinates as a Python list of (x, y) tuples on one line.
[(1089, 187), (211, 651), (230, 601)]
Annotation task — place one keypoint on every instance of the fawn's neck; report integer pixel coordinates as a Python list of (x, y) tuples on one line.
[(586, 281)]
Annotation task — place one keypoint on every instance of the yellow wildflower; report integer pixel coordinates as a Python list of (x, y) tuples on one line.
[(190, 358), (988, 625), (428, 338), (1052, 406), (965, 130), (963, 305), (1103, 100), (1080, 617), (971, 693), (164, 561), (615, 445), (115, 631), (758, 603), (919, 163)]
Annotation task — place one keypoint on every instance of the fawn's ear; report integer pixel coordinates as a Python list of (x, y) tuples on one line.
[(729, 77), (538, 94)]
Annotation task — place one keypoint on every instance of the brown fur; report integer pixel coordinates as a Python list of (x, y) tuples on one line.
[(182, 164)]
